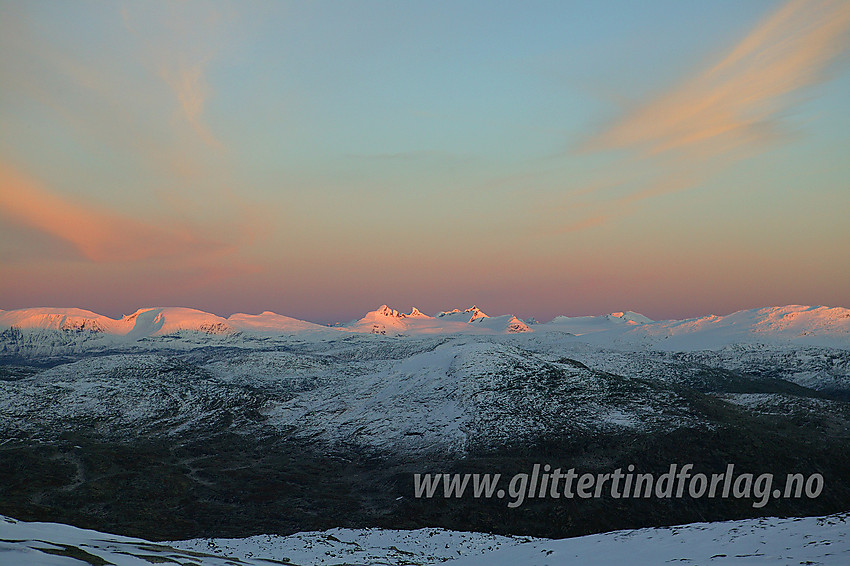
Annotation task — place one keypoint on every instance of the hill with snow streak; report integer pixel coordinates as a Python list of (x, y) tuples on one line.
[(46, 318), (151, 321), (144, 322)]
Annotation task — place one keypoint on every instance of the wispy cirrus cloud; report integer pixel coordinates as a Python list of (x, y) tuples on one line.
[(108, 96), (107, 99), (179, 43), (99, 234), (738, 100), (725, 111), (190, 86)]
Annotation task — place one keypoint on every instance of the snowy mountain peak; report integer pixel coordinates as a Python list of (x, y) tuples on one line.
[(471, 314), (155, 321), (384, 310), (475, 313), (516, 325), (417, 313)]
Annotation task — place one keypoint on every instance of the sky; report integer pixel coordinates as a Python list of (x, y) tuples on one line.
[(319, 159)]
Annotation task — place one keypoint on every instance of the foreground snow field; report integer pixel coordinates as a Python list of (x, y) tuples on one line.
[(808, 540)]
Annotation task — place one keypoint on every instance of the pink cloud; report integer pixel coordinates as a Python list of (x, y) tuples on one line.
[(736, 101), (100, 234), (722, 113)]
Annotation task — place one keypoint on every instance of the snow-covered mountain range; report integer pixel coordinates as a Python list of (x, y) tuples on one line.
[(794, 325), (148, 322)]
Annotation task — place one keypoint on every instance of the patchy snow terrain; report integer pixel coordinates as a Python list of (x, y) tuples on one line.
[(809, 540)]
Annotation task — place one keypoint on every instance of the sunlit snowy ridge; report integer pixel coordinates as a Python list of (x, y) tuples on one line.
[(787, 325)]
